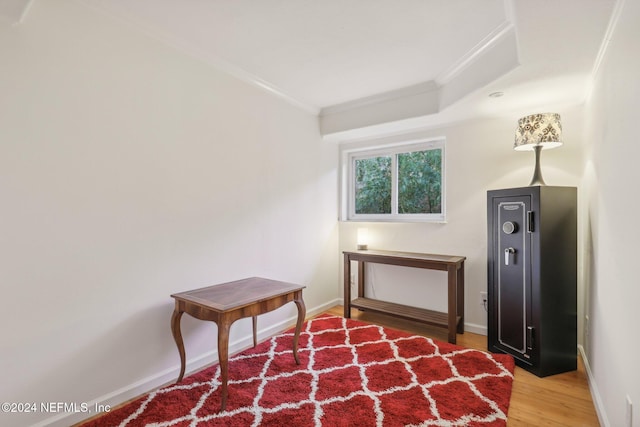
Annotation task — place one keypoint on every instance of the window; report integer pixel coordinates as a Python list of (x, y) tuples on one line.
[(398, 183)]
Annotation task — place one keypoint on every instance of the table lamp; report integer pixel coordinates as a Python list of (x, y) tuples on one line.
[(538, 132), (362, 239)]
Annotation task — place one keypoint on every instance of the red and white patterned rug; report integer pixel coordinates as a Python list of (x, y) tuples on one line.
[(351, 374)]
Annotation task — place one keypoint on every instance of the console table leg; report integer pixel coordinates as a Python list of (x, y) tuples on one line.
[(453, 302), (361, 279), (177, 336), (460, 293), (347, 287)]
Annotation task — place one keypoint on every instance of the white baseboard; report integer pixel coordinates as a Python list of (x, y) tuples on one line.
[(476, 329), (593, 388), (162, 378)]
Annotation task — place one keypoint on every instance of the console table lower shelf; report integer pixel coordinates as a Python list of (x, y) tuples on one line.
[(429, 317)]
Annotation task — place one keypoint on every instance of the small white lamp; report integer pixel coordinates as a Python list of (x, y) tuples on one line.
[(535, 133), (363, 239)]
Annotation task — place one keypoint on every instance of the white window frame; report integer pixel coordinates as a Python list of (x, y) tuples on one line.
[(349, 156)]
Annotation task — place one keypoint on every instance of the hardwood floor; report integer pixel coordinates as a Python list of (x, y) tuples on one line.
[(558, 400)]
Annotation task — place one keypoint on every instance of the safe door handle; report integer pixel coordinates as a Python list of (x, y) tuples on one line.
[(507, 254)]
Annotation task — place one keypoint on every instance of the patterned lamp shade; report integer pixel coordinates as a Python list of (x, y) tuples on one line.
[(543, 130)]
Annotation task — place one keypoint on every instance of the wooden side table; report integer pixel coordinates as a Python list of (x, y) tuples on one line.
[(224, 304)]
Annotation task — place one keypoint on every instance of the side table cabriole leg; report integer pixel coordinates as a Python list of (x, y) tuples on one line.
[(223, 357), (254, 321), (177, 336), (302, 312)]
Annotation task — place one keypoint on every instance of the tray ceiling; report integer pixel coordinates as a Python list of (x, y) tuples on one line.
[(333, 56)]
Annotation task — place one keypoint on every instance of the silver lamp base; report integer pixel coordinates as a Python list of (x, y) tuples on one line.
[(537, 173)]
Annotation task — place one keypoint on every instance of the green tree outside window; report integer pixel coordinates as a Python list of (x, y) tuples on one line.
[(419, 182), (418, 186), (373, 185)]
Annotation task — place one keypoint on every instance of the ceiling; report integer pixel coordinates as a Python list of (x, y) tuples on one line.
[(420, 58)]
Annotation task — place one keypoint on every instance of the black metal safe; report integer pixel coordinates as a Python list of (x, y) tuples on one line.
[(532, 277)]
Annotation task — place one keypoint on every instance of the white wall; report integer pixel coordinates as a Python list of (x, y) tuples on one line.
[(129, 171), (479, 157), (611, 176)]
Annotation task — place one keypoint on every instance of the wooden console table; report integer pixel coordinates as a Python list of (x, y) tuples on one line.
[(453, 265), (228, 302)]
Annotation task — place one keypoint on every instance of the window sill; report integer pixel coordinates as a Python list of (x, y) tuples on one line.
[(397, 220)]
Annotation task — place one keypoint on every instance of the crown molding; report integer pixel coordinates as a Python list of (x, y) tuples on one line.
[(200, 55), (413, 90), (613, 23), (492, 39), (495, 56)]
